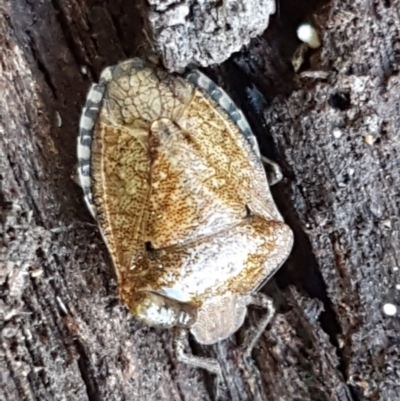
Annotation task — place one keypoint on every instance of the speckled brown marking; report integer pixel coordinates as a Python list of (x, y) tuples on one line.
[(182, 200)]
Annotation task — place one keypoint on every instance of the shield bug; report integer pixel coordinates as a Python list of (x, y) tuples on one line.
[(172, 173)]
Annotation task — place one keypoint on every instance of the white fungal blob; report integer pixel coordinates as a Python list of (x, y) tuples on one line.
[(337, 133), (308, 34), (389, 309)]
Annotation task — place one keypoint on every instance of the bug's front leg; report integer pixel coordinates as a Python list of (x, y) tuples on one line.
[(209, 364), (274, 172), (262, 301)]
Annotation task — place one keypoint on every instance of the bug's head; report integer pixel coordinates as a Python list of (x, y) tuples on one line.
[(159, 311), (219, 317)]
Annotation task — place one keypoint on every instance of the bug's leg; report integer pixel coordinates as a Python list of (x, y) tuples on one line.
[(209, 364), (274, 172), (262, 301)]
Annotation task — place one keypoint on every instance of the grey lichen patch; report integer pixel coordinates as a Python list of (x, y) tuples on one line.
[(205, 33)]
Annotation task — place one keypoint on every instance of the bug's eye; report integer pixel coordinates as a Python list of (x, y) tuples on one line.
[(159, 311)]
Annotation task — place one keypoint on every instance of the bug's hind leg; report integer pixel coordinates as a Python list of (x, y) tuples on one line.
[(262, 301), (209, 364)]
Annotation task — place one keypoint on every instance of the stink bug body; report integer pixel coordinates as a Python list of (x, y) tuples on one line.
[(172, 173)]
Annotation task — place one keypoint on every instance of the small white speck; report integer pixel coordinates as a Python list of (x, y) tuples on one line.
[(395, 269), (389, 309), (397, 286), (359, 84), (308, 34), (25, 175), (83, 70), (314, 74), (387, 223), (62, 305), (369, 139), (58, 119), (337, 133), (36, 272)]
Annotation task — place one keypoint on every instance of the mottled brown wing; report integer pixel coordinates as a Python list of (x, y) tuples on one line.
[(225, 146), (192, 195), (120, 168), (218, 98), (135, 95)]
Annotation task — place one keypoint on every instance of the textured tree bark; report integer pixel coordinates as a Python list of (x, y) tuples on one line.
[(204, 32), (333, 127)]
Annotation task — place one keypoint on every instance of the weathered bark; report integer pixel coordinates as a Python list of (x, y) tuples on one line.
[(333, 127), (204, 32)]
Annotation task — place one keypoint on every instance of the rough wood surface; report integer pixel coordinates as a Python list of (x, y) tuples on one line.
[(204, 32), (333, 127)]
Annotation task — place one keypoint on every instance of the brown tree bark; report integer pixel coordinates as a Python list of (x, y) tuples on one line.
[(334, 129)]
